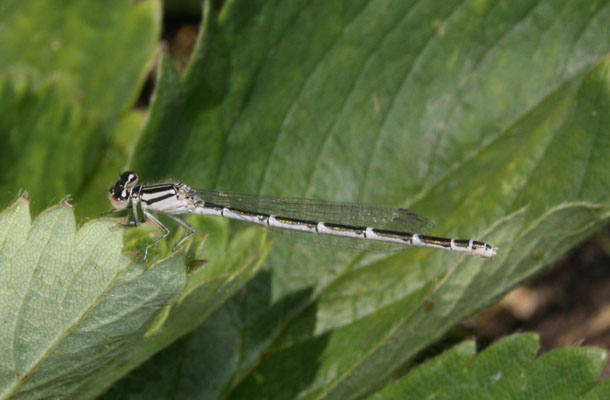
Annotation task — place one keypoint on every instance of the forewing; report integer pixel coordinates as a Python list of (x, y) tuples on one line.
[(354, 214)]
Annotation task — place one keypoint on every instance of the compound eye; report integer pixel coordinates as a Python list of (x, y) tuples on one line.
[(118, 191), (129, 178)]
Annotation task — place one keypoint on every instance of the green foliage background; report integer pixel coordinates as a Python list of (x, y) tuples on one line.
[(492, 118)]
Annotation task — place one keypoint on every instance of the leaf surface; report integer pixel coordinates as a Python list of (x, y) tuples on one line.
[(508, 369), (68, 73), (489, 118), (70, 303)]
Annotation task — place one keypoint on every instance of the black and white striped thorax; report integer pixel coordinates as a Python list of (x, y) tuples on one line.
[(347, 220), (167, 198)]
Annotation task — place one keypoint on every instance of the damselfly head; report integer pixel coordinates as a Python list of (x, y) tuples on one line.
[(120, 193)]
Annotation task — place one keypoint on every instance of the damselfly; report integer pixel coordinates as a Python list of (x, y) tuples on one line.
[(349, 220)]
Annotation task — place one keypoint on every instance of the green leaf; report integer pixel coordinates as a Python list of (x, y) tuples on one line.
[(92, 197), (67, 74), (95, 52), (506, 370), (396, 320), (70, 303), (77, 315), (490, 118), (229, 264), (43, 142)]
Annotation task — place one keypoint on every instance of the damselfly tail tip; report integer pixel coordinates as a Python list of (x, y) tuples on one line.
[(491, 251), (484, 250)]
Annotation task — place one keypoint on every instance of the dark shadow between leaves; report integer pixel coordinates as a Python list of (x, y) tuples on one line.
[(286, 369)]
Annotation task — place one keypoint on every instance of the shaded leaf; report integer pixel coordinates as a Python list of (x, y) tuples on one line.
[(95, 52), (506, 370), (67, 74), (491, 119)]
